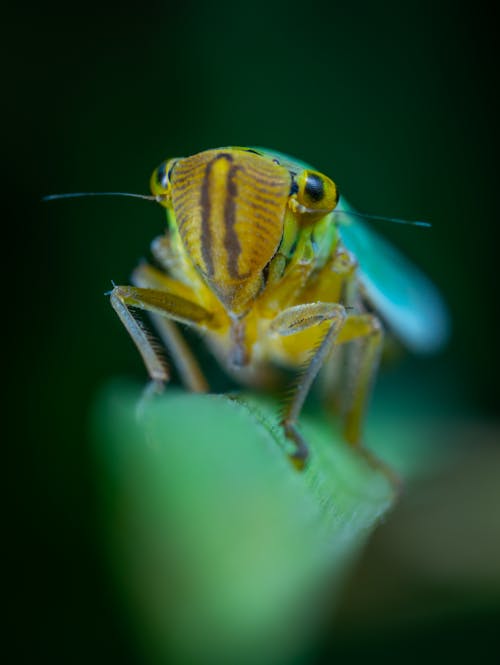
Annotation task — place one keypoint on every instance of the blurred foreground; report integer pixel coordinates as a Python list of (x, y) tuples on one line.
[(223, 551)]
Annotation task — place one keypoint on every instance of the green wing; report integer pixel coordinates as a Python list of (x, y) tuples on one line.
[(404, 297), (400, 293)]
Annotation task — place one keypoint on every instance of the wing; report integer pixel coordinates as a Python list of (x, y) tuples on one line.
[(404, 297)]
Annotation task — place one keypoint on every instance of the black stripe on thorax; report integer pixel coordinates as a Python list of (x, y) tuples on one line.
[(231, 240), (206, 209)]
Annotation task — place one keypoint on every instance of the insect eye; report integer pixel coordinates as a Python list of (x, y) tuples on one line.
[(161, 175), (160, 179), (315, 192)]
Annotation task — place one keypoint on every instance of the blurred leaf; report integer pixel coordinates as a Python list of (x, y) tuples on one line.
[(225, 552)]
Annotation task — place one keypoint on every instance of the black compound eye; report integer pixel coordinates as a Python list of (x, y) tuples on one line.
[(317, 194), (314, 187), (162, 176), (159, 182)]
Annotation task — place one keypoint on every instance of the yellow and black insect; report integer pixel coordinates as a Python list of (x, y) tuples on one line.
[(253, 259), (257, 256)]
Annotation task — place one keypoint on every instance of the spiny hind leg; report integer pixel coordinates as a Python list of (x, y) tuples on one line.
[(365, 333), (147, 276), (295, 320), (162, 304)]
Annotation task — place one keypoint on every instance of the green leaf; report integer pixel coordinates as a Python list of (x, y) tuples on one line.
[(224, 552)]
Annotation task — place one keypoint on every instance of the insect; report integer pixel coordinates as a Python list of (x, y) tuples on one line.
[(274, 269)]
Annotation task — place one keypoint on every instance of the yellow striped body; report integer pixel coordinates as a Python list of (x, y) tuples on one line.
[(252, 258), (229, 207), (247, 246)]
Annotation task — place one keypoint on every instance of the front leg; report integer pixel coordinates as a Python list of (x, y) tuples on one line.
[(291, 321), (161, 303), (190, 373), (340, 328)]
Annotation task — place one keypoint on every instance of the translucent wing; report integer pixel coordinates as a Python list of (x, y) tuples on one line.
[(401, 294)]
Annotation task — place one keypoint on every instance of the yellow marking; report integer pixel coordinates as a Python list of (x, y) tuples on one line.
[(230, 208)]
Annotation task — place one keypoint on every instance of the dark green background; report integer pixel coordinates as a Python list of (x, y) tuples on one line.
[(393, 100)]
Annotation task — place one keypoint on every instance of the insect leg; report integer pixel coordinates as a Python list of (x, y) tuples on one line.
[(146, 276), (366, 333), (161, 303), (294, 320)]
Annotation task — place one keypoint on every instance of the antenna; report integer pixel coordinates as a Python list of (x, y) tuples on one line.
[(381, 218), (76, 195)]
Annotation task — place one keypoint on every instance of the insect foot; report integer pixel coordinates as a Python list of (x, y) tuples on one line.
[(300, 455)]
